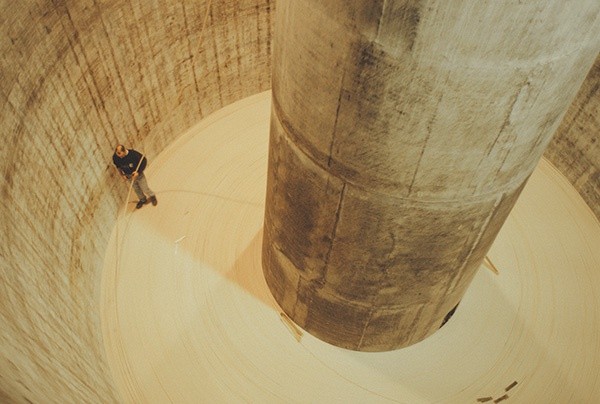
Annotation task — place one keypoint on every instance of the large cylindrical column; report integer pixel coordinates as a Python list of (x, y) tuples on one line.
[(402, 134)]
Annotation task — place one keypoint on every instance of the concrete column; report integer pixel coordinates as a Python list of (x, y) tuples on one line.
[(402, 134)]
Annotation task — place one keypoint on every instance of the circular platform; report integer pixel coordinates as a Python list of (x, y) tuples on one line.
[(187, 316)]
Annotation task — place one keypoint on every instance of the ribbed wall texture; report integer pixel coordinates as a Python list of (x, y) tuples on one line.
[(575, 148), (78, 77)]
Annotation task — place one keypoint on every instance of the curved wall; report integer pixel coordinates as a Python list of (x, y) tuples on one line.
[(575, 148), (78, 77)]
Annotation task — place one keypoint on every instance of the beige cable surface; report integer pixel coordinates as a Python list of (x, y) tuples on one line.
[(187, 316)]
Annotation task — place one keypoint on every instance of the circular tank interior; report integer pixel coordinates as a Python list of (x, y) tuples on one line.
[(82, 76)]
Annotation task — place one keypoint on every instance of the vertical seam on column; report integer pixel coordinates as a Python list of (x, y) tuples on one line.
[(474, 245), (333, 233), (412, 183), (364, 330), (337, 114), (505, 124), (502, 164), (510, 136), (414, 322), (383, 7), (506, 121), (458, 275)]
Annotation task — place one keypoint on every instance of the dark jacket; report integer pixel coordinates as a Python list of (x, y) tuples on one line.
[(128, 164)]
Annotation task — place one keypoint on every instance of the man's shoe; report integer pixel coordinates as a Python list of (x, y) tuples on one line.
[(153, 200), (140, 203)]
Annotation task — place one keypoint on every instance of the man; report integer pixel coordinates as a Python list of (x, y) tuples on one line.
[(130, 165)]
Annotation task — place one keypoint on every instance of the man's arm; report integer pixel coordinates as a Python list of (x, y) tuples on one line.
[(121, 173)]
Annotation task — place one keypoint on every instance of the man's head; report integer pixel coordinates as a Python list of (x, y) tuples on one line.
[(121, 151)]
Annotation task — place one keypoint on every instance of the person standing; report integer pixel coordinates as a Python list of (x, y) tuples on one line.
[(131, 164)]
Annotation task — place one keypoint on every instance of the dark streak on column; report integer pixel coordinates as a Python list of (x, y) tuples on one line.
[(338, 211), (337, 114), (413, 325), (425, 142), (459, 273), (364, 330), (506, 121), (483, 228), (380, 19), (311, 152)]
